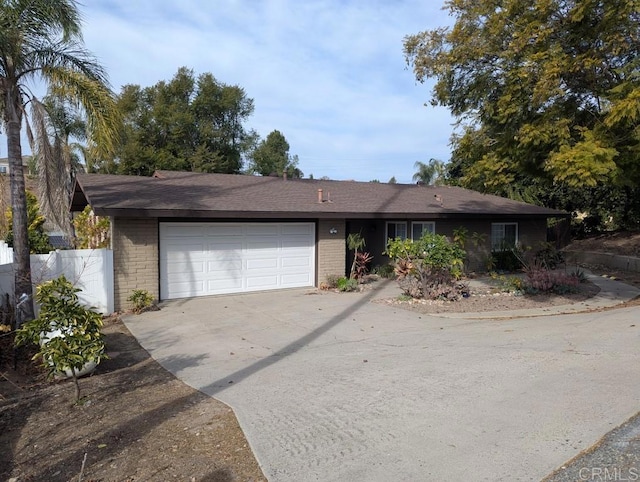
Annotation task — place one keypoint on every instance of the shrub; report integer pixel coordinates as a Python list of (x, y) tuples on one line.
[(428, 267), (141, 300), (356, 242), (361, 265), (549, 256), (331, 282), (38, 238), (580, 275), (77, 340), (510, 284), (508, 259), (384, 271), (347, 284), (542, 280)]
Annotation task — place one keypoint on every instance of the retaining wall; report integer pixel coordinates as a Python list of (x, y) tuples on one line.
[(613, 261)]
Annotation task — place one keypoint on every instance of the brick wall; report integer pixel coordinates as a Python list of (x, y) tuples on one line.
[(135, 258), (331, 249)]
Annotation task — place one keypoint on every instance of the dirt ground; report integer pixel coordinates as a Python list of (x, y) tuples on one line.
[(621, 242), (137, 422), (494, 299)]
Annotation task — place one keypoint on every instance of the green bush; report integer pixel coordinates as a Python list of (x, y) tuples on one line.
[(347, 284), (141, 300), (428, 267), (37, 237), (384, 271), (79, 340), (508, 260)]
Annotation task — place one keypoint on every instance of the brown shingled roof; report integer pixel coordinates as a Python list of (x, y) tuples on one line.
[(197, 195)]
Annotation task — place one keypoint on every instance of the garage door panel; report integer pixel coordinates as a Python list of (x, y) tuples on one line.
[(293, 229), (224, 230), (234, 257), (294, 280), (255, 283), (222, 265), (183, 232), (219, 250), (296, 262), (179, 267), (296, 242), (188, 288), (262, 263), (225, 284), (267, 229)]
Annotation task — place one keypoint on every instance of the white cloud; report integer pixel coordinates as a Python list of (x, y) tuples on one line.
[(329, 74)]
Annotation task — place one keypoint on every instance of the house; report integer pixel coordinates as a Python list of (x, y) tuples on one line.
[(4, 164), (184, 234)]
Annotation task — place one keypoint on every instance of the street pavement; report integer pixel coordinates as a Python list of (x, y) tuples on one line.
[(331, 387)]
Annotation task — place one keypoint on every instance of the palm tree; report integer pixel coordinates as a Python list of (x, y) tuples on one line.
[(429, 174), (57, 175), (41, 40)]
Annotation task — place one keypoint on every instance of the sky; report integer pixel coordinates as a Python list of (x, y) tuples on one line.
[(329, 74)]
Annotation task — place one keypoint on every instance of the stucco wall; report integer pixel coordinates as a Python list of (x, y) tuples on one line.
[(331, 249), (531, 233), (135, 258)]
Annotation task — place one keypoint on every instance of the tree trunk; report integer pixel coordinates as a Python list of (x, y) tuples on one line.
[(21, 256), (77, 384)]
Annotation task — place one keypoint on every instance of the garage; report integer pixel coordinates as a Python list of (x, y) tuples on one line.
[(200, 259)]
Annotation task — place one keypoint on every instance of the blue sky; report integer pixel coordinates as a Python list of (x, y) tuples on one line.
[(329, 74)]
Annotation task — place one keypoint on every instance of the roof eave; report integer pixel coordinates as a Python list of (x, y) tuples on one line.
[(209, 214)]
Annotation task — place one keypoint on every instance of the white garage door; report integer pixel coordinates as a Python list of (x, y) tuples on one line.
[(199, 259)]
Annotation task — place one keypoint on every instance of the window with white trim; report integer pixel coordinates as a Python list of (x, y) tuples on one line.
[(419, 228), (3, 169), (396, 229), (503, 236)]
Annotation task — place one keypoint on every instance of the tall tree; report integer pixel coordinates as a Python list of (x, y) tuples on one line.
[(431, 173), (271, 156), (40, 40), (545, 89), (185, 124)]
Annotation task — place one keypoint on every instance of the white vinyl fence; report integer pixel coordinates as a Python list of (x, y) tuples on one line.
[(91, 270)]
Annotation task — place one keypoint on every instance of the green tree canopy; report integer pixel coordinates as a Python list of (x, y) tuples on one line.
[(186, 124), (271, 156), (542, 89)]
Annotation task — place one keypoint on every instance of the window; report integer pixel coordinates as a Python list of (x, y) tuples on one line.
[(396, 229), (503, 235), (418, 229), (3, 169)]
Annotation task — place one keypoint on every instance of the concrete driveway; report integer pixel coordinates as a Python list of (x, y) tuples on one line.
[(333, 387)]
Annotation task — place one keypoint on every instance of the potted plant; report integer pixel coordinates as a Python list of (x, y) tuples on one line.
[(68, 334)]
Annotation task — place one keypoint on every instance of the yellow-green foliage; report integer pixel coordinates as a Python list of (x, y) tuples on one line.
[(92, 232), (38, 238), (542, 89)]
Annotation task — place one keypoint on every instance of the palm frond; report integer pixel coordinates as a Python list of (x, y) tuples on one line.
[(103, 118), (52, 169)]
